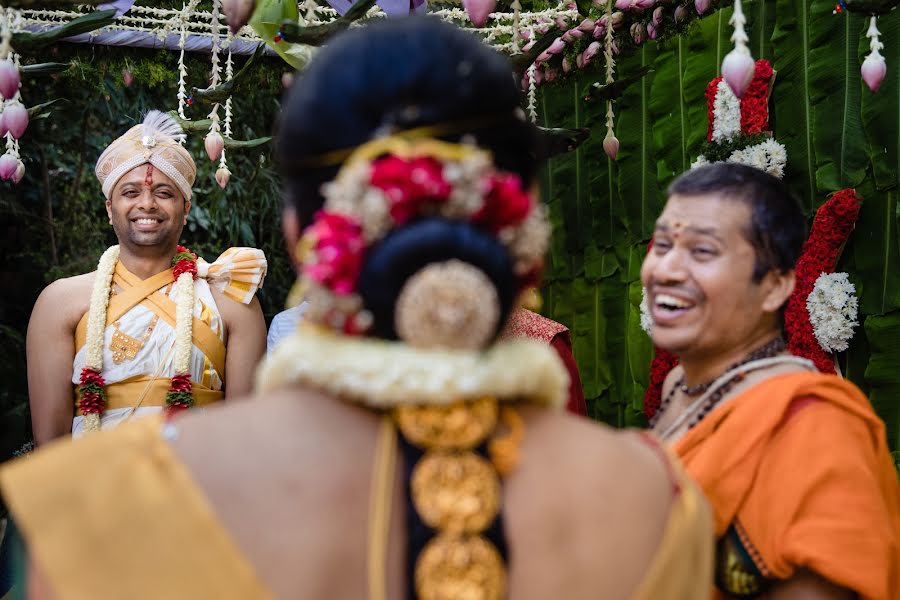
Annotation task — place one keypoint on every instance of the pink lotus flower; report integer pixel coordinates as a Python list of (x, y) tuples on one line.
[(479, 10), (9, 79), (738, 69), (587, 25), (611, 145), (214, 145), (701, 5), (591, 51), (238, 13), (339, 249), (873, 70), (15, 118), (223, 175), (557, 46), (20, 172), (8, 166)]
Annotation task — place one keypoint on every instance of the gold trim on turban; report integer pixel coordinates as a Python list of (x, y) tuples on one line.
[(155, 141)]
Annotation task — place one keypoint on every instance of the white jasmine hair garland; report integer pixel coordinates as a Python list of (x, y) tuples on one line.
[(92, 388), (833, 311)]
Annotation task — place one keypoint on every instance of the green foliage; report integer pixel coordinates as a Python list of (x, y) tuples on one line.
[(55, 218), (837, 134), (719, 151)]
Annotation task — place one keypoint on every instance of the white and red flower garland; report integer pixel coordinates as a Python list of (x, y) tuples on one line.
[(369, 198), (92, 388)]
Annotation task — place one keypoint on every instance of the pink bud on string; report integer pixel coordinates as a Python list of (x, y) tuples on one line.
[(479, 10), (3, 128), (223, 175), (738, 69), (874, 68), (8, 166), (611, 145), (701, 5), (557, 46), (9, 79), (587, 25), (214, 145), (591, 51), (681, 13), (20, 172), (15, 118)]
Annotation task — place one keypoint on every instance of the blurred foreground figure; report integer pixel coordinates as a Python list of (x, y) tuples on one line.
[(794, 462), (394, 449)]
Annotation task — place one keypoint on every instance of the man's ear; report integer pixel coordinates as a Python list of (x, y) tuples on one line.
[(187, 209), (778, 288), (109, 210), (290, 226)]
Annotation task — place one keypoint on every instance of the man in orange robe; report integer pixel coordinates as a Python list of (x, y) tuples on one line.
[(794, 462)]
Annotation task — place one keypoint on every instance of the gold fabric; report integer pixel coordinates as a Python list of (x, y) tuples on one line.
[(136, 526), (143, 390)]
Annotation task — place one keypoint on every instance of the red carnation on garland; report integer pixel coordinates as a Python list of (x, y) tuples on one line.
[(831, 227)]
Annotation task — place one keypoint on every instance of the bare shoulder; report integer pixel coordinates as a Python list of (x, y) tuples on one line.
[(236, 313), (65, 300)]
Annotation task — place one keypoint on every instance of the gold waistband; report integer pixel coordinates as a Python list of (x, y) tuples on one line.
[(126, 393)]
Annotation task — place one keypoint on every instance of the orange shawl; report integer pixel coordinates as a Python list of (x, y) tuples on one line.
[(810, 484)]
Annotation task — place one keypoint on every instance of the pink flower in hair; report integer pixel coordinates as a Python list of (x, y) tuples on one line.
[(506, 203), (410, 184), (339, 246)]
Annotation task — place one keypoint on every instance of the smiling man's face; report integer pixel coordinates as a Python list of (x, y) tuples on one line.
[(699, 276), (147, 208)]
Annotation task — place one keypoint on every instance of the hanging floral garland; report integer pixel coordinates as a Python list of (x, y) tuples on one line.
[(92, 388)]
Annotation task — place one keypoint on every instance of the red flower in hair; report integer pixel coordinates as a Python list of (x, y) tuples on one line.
[(410, 184), (338, 252), (505, 204)]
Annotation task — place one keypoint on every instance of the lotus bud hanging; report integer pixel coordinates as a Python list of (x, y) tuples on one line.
[(873, 70), (738, 69), (8, 166), (652, 33), (238, 13), (20, 172), (9, 79), (214, 145), (701, 5), (681, 13), (591, 51), (611, 145), (566, 64), (479, 10), (587, 25), (3, 128), (557, 46), (623, 4), (15, 118), (657, 18), (599, 32), (223, 175), (617, 19), (579, 60), (642, 4)]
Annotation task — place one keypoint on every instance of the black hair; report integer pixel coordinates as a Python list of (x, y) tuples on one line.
[(777, 226), (405, 251), (399, 73)]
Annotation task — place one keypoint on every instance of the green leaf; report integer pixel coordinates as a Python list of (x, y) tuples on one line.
[(266, 21), (669, 103), (876, 253), (793, 118), (882, 374), (25, 42), (841, 153)]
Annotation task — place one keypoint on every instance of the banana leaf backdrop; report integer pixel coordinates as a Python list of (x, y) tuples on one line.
[(837, 133)]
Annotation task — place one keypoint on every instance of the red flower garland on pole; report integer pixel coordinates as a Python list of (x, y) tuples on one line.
[(831, 227)]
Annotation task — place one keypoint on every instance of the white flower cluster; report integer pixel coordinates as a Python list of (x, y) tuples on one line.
[(726, 114), (96, 324), (646, 318), (184, 317), (769, 156), (833, 307)]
